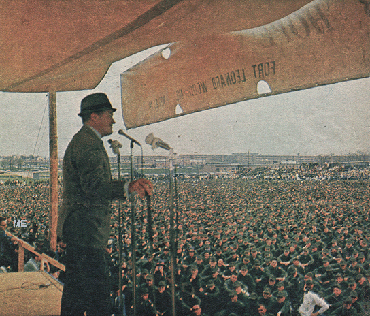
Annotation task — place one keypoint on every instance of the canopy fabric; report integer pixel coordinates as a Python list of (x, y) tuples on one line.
[(64, 45), (325, 41)]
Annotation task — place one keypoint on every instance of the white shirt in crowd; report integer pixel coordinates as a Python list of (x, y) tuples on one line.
[(310, 300)]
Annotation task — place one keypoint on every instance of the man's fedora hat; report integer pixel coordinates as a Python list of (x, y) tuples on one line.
[(96, 102)]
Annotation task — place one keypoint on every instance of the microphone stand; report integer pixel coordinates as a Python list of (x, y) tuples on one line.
[(119, 240), (172, 241), (157, 142), (133, 237), (177, 211), (115, 147), (133, 218)]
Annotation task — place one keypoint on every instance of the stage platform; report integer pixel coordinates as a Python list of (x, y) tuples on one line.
[(29, 294)]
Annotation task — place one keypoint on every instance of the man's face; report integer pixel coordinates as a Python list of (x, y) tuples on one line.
[(347, 306), (197, 310), (103, 122), (262, 310), (2, 225), (337, 291), (281, 299)]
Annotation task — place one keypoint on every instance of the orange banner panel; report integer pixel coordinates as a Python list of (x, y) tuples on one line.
[(324, 42), (63, 45)]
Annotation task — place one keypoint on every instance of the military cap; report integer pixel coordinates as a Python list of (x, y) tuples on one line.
[(348, 300), (144, 290), (353, 294), (96, 102), (253, 296), (161, 283), (309, 282), (210, 283), (149, 277), (292, 269), (281, 294), (187, 287), (232, 293), (266, 290)]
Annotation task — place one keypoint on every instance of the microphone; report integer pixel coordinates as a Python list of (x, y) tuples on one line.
[(115, 145), (121, 132), (156, 142)]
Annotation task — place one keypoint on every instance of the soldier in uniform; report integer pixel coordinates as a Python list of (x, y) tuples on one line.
[(210, 298), (162, 300), (336, 298), (145, 306), (281, 305), (346, 309)]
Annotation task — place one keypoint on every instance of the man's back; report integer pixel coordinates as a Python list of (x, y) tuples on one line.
[(86, 195)]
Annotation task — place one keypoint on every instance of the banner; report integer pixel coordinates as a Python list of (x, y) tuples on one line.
[(64, 45), (324, 42)]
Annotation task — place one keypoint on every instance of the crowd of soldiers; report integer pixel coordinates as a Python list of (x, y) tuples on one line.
[(249, 248), (242, 247)]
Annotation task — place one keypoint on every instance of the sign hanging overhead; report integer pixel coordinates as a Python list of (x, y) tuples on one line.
[(324, 42), (68, 45)]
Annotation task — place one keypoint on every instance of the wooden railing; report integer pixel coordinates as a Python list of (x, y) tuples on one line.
[(44, 258)]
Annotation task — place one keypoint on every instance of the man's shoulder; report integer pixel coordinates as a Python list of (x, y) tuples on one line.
[(86, 134), (85, 138)]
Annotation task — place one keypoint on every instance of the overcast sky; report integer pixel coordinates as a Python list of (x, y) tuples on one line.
[(332, 119)]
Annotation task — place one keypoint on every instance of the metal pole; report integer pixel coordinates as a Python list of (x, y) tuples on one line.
[(119, 241), (172, 241), (53, 150), (133, 238), (177, 212)]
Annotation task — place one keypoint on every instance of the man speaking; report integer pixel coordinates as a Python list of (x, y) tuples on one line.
[(84, 218)]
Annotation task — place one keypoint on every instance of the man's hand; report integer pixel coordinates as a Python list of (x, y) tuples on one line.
[(141, 186)]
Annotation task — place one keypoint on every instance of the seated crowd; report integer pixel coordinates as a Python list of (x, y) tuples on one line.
[(242, 248)]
